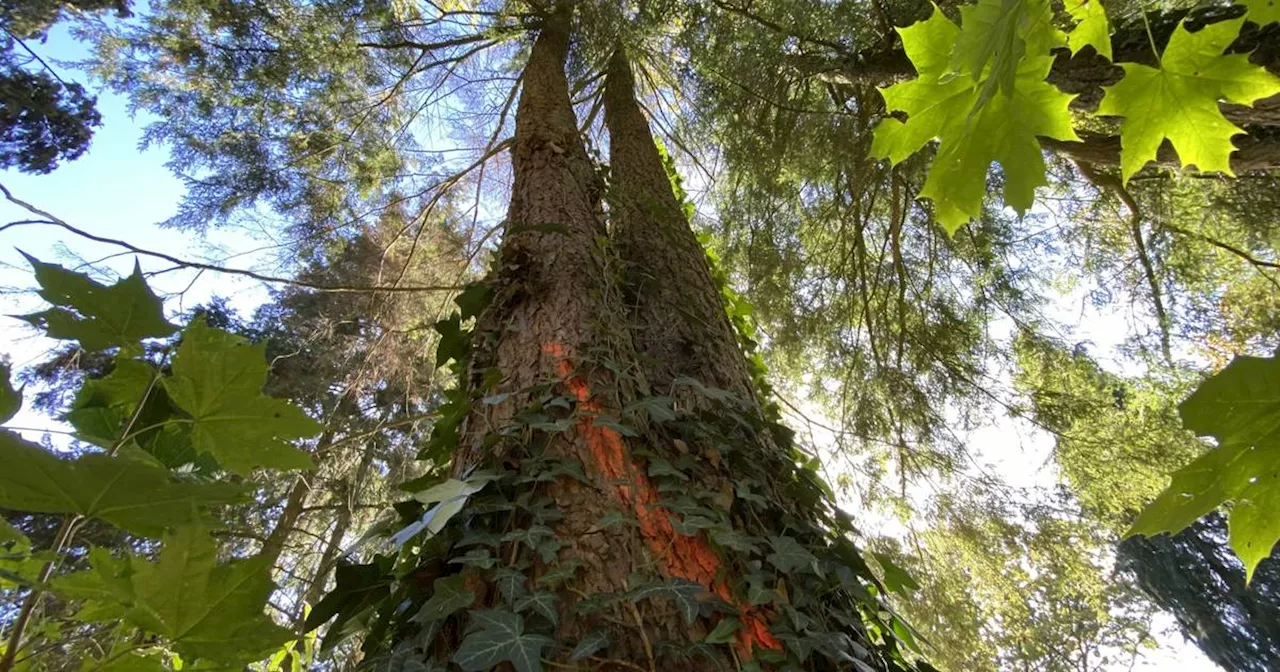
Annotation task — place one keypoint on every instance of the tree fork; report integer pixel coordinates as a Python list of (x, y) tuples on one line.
[(553, 318)]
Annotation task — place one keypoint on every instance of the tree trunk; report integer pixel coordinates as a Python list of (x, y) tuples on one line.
[(555, 318), (333, 544), (689, 537), (681, 326)]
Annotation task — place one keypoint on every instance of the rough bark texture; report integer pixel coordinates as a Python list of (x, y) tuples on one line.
[(1252, 153), (681, 329), (681, 326), (557, 321), (555, 317), (549, 315)]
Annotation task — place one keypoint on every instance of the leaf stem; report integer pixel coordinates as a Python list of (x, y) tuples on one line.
[(14, 643), (65, 533)]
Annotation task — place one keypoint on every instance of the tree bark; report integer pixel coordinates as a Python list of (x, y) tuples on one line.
[(558, 321), (555, 317), (681, 325), (1253, 153), (341, 523)]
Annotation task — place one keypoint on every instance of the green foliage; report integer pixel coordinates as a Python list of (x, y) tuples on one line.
[(1262, 12), (499, 636), (43, 121), (1179, 100), (982, 92), (123, 491), (10, 399), (217, 379), (1092, 27), (896, 579), (448, 595), (954, 100), (594, 641), (1240, 408), (98, 316), (150, 418), (682, 592), (205, 609)]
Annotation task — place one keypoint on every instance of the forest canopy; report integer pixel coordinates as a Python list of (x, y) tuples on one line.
[(874, 335)]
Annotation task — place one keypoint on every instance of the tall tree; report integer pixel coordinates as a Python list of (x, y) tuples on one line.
[(671, 508), (1194, 576)]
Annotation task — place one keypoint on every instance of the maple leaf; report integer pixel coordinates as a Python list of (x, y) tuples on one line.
[(207, 610), (1262, 12), (98, 316), (1179, 100), (1092, 28), (217, 379), (1002, 33), (974, 128), (1240, 407), (130, 494)]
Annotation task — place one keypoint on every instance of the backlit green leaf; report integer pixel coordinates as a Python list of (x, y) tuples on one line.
[(97, 316), (975, 129), (1179, 100), (1240, 407), (1262, 12), (104, 405), (217, 379), (1092, 28), (896, 579)]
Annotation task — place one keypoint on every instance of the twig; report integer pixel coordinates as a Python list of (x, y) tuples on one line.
[(51, 220)]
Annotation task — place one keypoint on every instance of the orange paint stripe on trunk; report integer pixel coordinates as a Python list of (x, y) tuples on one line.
[(690, 558)]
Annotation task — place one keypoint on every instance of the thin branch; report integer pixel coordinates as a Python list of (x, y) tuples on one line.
[(426, 46), (51, 220), (1110, 182), (1256, 262)]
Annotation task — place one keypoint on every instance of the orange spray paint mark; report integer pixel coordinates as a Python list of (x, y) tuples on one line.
[(689, 558)]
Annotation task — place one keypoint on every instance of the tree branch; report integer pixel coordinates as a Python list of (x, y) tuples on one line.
[(51, 220)]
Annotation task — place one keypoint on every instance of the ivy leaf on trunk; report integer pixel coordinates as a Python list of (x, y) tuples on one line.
[(499, 637)]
